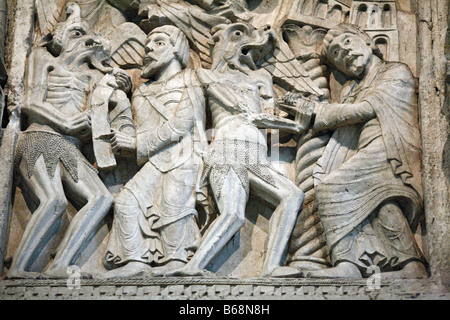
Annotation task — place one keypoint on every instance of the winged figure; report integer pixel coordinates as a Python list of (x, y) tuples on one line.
[(105, 17), (197, 18)]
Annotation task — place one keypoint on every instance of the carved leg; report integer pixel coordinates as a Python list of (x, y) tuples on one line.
[(395, 229), (231, 204), (288, 199), (89, 189), (52, 203), (127, 235)]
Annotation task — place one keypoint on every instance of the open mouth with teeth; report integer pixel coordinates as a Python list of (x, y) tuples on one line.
[(91, 43), (250, 54)]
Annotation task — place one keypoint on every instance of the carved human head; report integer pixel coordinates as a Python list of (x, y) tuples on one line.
[(350, 49), (163, 45)]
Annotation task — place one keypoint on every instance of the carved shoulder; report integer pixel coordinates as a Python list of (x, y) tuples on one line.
[(206, 77), (397, 71)]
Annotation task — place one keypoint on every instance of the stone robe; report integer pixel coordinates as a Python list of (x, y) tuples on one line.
[(372, 157), (155, 215)]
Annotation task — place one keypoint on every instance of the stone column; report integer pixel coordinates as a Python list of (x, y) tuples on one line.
[(21, 13), (432, 18)]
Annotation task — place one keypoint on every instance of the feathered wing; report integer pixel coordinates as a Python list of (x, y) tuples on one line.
[(195, 24), (128, 46), (287, 71), (49, 14)]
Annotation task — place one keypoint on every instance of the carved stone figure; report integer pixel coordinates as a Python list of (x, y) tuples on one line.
[(238, 94), (154, 214), (101, 15), (107, 18), (368, 180), (195, 18), (67, 84)]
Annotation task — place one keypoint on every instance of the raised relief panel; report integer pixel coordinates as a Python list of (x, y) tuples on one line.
[(160, 139)]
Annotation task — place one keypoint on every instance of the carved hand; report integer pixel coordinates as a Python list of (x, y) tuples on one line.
[(78, 125), (123, 80), (300, 107), (121, 143), (267, 121)]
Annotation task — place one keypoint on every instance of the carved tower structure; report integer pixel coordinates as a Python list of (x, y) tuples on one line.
[(379, 20)]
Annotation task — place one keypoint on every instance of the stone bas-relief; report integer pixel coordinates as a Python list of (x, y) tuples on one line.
[(194, 124), (50, 167), (368, 185), (237, 94), (154, 214)]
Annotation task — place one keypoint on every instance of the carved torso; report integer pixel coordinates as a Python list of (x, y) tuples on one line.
[(168, 94), (67, 91), (244, 91)]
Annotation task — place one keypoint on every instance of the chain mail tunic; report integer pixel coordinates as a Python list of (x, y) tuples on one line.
[(55, 148), (241, 156)]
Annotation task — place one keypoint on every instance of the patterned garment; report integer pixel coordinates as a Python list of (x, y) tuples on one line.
[(54, 148), (242, 156)]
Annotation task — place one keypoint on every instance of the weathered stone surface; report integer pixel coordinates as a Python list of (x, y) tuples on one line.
[(285, 139)]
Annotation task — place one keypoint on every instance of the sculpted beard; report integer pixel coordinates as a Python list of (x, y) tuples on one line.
[(154, 64)]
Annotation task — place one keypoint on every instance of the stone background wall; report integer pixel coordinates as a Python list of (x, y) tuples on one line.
[(423, 37)]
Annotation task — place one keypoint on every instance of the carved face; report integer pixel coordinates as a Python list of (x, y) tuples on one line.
[(72, 40), (159, 52), (240, 45), (350, 54)]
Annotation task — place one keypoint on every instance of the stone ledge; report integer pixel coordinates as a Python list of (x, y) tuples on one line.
[(221, 289)]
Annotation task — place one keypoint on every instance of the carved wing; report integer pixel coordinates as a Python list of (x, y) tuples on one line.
[(49, 13), (127, 46), (287, 71)]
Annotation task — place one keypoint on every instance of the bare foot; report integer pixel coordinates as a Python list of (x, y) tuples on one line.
[(286, 272), (163, 270), (131, 269), (64, 272), (341, 270), (14, 274), (191, 272), (412, 270)]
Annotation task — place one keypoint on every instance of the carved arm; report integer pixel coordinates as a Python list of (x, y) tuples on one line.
[(336, 115), (39, 66), (171, 131)]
